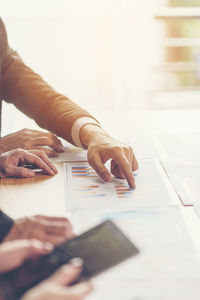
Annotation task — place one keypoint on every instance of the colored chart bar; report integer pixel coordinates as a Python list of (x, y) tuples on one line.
[(124, 191), (83, 171), (80, 168), (89, 191)]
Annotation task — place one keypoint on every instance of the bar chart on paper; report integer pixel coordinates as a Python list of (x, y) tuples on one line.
[(83, 171), (86, 190)]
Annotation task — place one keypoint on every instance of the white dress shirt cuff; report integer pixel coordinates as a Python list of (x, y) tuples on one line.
[(78, 124)]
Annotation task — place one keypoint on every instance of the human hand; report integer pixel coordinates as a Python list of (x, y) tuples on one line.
[(56, 286), (11, 163), (13, 254), (102, 147), (29, 139), (46, 229)]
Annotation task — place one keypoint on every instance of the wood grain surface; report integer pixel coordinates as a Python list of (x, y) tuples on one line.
[(41, 194)]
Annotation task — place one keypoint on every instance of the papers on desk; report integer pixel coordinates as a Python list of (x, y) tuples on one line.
[(146, 290), (144, 146), (168, 266), (180, 145), (71, 154), (182, 151), (166, 255), (184, 175), (85, 189), (166, 250)]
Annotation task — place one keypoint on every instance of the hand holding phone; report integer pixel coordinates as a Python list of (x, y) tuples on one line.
[(100, 248)]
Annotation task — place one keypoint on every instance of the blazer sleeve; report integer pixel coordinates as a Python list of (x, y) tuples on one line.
[(33, 96), (6, 290), (5, 225)]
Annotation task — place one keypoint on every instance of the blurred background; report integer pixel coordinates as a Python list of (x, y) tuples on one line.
[(111, 55)]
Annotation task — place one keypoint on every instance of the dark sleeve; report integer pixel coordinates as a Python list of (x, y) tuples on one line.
[(6, 292), (33, 96), (5, 225)]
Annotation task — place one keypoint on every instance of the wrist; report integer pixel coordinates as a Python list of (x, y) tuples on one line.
[(91, 134), (6, 291)]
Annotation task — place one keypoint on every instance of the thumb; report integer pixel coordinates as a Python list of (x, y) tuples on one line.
[(67, 273)]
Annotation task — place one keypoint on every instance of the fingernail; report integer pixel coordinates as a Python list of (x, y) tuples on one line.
[(76, 262), (105, 176), (136, 172), (132, 184), (54, 169), (37, 244), (30, 173), (52, 172), (48, 246)]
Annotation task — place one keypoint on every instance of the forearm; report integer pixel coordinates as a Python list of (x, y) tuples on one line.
[(6, 292), (3, 147), (32, 95)]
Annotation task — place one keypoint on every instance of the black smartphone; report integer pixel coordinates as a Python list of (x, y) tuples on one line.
[(100, 248)]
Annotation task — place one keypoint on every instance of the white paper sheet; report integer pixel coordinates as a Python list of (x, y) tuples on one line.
[(146, 290), (84, 188), (71, 154), (180, 145), (184, 175), (144, 145), (167, 256), (166, 249)]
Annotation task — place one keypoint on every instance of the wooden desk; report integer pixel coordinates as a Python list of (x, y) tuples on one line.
[(46, 195), (39, 195)]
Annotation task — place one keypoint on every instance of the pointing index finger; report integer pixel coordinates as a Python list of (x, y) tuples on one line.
[(126, 169)]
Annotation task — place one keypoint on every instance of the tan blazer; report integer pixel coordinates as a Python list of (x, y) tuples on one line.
[(32, 95)]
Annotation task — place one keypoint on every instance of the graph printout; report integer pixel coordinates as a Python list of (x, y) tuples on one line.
[(84, 188)]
